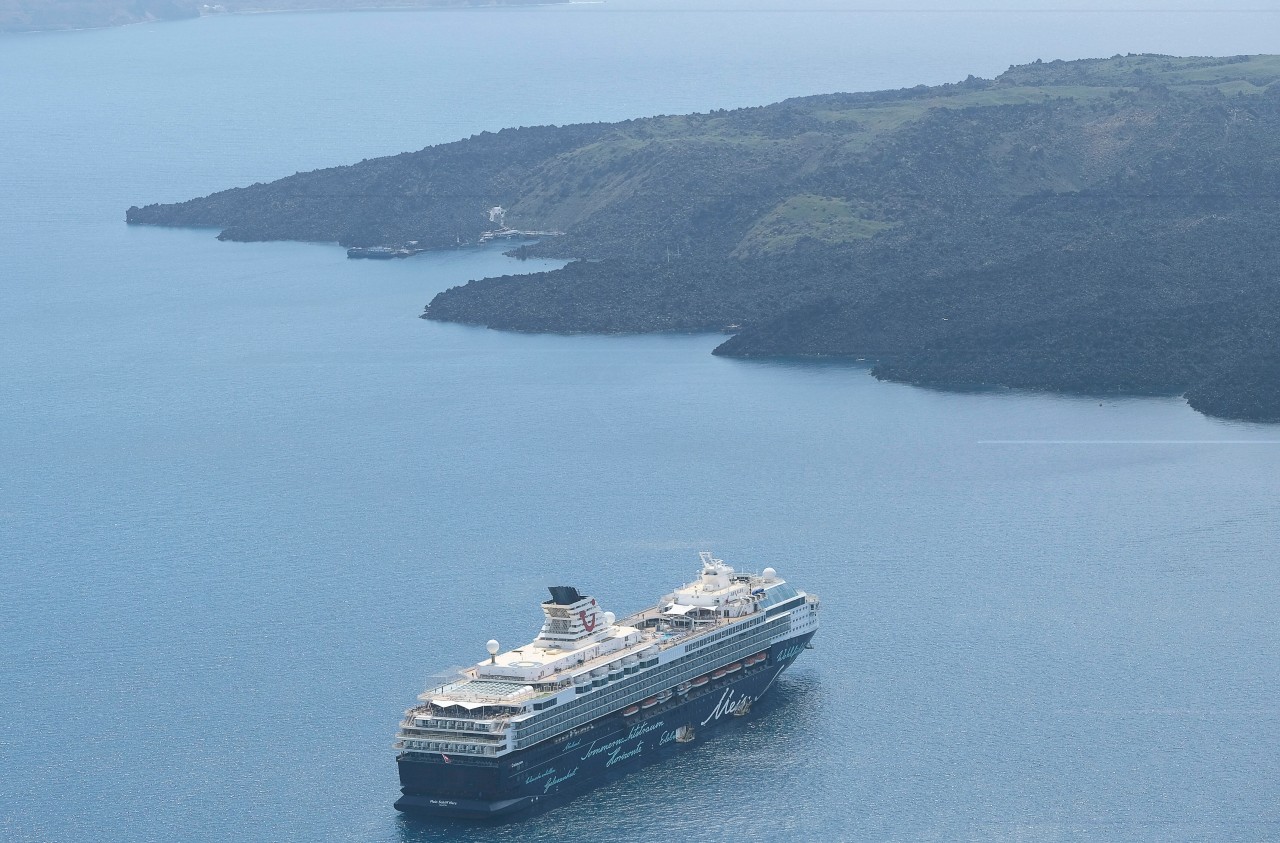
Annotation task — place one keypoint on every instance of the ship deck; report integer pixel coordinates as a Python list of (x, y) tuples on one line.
[(471, 690)]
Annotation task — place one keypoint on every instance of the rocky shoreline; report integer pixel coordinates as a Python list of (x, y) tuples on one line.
[(1096, 226)]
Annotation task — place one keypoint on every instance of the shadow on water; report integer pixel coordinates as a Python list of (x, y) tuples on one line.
[(792, 702), (802, 363)]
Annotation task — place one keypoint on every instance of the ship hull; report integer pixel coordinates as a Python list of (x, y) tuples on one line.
[(473, 788)]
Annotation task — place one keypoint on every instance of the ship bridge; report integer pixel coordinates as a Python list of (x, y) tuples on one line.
[(718, 592)]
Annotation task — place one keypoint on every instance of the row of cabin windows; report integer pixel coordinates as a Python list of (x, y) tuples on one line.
[(717, 636), (684, 668), (496, 739), (756, 636), (605, 703), (443, 746), (601, 681), (793, 603), (467, 725)]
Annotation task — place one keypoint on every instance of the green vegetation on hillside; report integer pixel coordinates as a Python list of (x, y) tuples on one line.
[(797, 218), (1098, 225)]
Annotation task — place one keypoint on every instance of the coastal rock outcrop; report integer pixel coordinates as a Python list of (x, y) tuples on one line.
[(1092, 226)]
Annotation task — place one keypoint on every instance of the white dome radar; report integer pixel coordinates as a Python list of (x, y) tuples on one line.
[(609, 618), (492, 647), (770, 574)]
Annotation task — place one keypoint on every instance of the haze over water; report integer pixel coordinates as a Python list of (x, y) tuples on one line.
[(249, 502)]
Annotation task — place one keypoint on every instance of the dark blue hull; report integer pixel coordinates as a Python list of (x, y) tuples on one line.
[(476, 788)]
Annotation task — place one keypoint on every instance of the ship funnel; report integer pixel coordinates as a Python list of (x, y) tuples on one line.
[(570, 616), (564, 595)]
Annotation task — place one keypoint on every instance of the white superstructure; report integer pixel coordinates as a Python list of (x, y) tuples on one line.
[(586, 664)]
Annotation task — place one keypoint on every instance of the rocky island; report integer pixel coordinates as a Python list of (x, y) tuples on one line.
[(1093, 226)]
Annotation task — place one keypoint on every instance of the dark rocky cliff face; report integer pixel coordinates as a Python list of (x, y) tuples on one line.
[(1245, 387), (1103, 225)]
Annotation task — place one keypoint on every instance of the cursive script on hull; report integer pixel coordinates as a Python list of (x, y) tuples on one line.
[(555, 780), (789, 653), (729, 703)]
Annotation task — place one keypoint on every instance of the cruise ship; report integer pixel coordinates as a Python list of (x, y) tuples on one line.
[(593, 696)]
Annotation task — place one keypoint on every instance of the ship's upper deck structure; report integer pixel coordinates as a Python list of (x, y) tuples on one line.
[(581, 649)]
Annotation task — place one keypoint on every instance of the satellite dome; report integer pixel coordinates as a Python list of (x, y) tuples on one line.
[(492, 646), (770, 574)]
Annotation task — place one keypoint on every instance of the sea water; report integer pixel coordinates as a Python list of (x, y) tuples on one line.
[(249, 502)]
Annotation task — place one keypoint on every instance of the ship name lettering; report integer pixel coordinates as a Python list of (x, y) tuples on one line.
[(558, 779), (641, 729), (603, 748), (550, 771), (619, 755), (555, 780), (790, 652), (727, 705)]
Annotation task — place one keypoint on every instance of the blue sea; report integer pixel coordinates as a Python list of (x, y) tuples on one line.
[(249, 502)]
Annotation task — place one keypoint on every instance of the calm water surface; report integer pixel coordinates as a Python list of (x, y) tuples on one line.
[(249, 502)]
